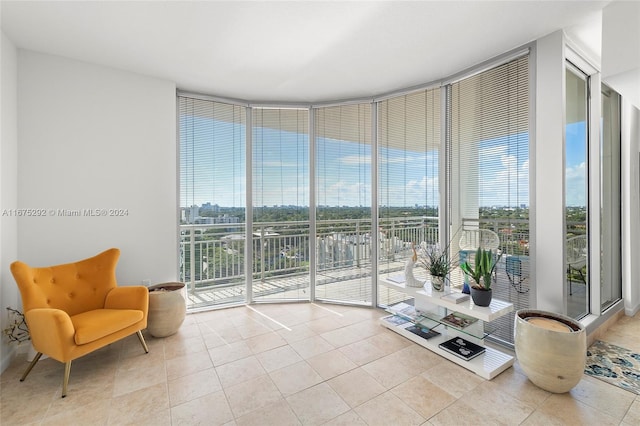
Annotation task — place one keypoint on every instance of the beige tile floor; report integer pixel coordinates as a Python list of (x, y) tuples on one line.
[(296, 364)]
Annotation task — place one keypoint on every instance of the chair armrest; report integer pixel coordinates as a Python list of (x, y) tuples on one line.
[(51, 332), (129, 297)]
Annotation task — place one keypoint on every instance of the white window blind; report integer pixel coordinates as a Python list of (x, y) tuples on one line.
[(280, 164), (343, 156), (343, 193), (489, 174), (280, 194), (489, 134), (212, 157), (212, 195), (408, 197), (409, 144)]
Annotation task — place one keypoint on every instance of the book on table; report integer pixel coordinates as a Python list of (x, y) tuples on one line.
[(425, 333), (462, 348), (456, 297), (395, 319), (407, 311), (458, 320)]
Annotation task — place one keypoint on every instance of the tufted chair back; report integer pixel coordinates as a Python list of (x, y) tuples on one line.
[(73, 287)]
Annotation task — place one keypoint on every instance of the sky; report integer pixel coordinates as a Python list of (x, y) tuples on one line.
[(281, 170), (576, 160)]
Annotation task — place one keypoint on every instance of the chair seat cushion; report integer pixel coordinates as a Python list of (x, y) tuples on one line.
[(93, 325)]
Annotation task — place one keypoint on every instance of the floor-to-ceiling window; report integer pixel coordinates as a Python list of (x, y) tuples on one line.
[(280, 203), (338, 194), (489, 176), (311, 188), (576, 191), (212, 201), (311, 192), (409, 152), (343, 203)]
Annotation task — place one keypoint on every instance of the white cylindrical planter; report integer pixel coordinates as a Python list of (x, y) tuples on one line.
[(167, 309), (551, 349)]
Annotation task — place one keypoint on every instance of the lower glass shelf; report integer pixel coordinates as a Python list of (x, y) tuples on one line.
[(443, 318), (487, 364)]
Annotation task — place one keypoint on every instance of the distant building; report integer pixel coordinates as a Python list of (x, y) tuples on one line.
[(216, 220), (190, 214), (210, 207)]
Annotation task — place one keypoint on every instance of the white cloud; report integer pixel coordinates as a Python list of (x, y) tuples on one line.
[(576, 185), (506, 184), (344, 193), (355, 160), (493, 151)]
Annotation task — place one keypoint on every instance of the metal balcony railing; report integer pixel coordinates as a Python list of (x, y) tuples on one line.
[(213, 255), (213, 264)]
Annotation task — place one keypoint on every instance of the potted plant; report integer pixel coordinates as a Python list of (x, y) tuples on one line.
[(438, 263), (482, 275)]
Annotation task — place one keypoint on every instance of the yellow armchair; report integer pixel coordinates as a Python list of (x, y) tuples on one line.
[(76, 308)]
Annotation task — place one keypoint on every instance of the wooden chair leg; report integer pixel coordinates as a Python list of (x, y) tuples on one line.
[(33, 363), (142, 342), (65, 381)]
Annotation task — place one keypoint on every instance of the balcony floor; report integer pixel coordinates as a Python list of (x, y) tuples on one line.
[(349, 284)]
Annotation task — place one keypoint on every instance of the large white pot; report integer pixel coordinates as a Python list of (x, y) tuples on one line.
[(167, 309), (551, 349)]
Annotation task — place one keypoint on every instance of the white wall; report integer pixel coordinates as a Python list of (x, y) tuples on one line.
[(92, 137), (621, 48), (8, 187)]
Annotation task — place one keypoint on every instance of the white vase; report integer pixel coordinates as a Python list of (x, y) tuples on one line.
[(551, 349), (437, 283)]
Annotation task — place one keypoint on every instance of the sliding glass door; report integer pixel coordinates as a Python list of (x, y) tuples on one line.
[(343, 237), (212, 201), (489, 177), (409, 153), (280, 198), (576, 192), (339, 194)]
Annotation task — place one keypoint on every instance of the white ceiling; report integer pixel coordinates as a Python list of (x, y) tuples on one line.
[(303, 51)]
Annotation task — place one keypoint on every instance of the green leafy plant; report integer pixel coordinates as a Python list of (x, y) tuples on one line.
[(438, 262), (481, 273)]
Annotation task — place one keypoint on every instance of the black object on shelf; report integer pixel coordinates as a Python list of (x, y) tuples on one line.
[(425, 333), (462, 348)]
